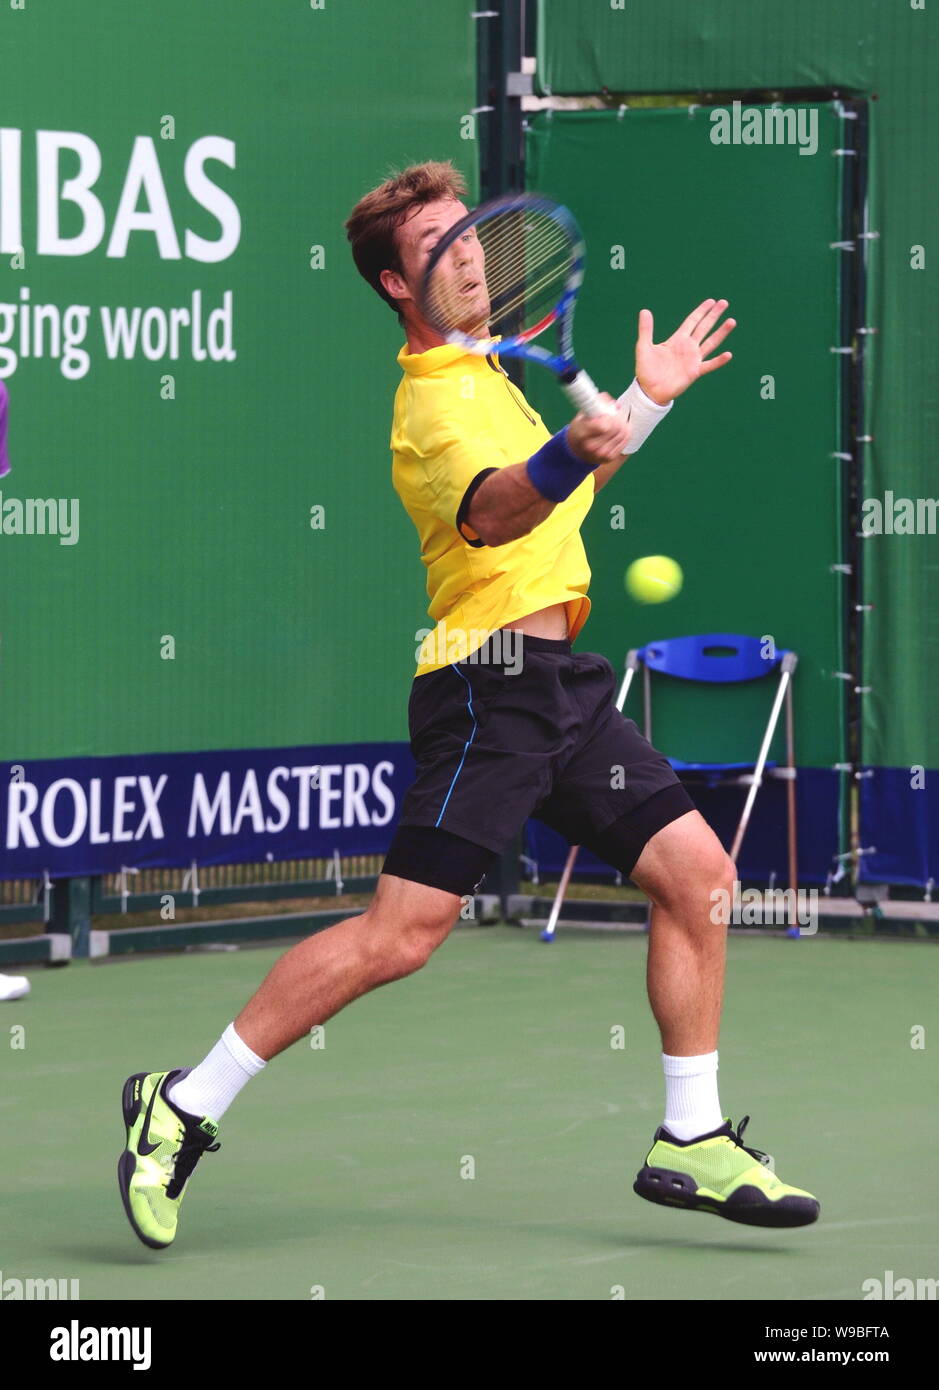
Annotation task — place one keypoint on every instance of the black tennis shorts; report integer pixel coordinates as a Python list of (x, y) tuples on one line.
[(525, 727)]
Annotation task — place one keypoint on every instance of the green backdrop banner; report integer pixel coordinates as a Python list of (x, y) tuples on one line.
[(200, 383), (885, 51), (738, 483), (717, 45)]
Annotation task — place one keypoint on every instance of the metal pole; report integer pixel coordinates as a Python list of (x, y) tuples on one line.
[(791, 795), (788, 666)]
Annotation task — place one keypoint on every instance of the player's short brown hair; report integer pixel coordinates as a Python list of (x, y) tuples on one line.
[(372, 223)]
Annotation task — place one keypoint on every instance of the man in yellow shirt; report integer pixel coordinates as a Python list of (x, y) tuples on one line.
[(506, 722)]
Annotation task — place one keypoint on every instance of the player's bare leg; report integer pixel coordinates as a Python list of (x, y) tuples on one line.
[(680, 869), (698, 1160), (172, 1117), (396, 934)]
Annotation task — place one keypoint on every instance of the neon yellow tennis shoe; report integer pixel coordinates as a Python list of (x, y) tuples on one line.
[(164, 1144), (719, 1174)]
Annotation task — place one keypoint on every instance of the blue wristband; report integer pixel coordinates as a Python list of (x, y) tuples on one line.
[(555, 471)]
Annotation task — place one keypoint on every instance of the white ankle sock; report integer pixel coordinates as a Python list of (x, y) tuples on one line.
[(691, 1103), (210, 1088)]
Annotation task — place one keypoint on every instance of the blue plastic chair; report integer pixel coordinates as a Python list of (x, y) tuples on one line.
[(718, 658), (729, 658)]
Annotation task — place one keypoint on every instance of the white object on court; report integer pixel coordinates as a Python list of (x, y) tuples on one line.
[(14, 986)]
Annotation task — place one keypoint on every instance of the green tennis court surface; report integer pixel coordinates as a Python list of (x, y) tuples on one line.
[(341, 1166)]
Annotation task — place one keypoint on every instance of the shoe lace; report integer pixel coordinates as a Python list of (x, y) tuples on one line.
[(737, 1136), (194, 1145)]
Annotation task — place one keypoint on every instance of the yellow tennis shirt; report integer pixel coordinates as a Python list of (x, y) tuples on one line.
[(457, 417)]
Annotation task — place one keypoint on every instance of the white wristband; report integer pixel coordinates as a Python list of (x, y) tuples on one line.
[(644, 414)]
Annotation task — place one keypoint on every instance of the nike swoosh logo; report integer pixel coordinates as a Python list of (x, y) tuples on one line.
[(143, 1145)]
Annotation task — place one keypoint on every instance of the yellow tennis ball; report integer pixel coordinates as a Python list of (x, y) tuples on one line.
[(654, 578)]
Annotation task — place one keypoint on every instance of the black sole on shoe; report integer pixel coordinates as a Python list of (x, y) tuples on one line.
[(127, 1163), (129, 1105), (670, 1189)]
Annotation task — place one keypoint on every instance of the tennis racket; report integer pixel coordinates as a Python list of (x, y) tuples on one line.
[(503, 275)]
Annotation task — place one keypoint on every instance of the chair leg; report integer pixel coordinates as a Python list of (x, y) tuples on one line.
[(646, 704), (785, 679), (792, 828), (548, 932)]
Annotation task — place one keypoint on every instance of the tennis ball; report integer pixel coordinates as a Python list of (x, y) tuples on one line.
[(654, 578)]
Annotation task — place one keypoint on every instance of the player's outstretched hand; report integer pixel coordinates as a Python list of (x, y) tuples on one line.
[(598, 438), (665, 370)]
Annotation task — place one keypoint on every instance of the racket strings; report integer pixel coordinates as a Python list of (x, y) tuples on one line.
[(510, 249), (527, 261), (524, 265), (528, 294)]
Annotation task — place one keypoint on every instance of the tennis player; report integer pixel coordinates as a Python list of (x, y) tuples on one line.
[(506, 722)]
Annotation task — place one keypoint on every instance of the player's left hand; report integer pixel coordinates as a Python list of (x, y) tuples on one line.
[(665, 370)]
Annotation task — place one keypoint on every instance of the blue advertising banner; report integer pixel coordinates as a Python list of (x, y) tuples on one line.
[(74, 816), (764, 849), (900, 826)]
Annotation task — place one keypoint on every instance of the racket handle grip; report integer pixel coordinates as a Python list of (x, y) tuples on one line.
[(583, 395)]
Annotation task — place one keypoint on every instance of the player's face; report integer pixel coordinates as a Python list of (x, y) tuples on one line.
[(460, 274)]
